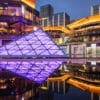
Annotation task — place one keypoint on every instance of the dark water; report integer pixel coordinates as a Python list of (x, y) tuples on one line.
[(73, 94)]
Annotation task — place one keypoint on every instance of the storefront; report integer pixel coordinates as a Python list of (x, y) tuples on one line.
[(19, 11), (93, 50)]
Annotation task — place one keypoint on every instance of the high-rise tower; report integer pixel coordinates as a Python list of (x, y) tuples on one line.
[(95, 10), (46, 11)]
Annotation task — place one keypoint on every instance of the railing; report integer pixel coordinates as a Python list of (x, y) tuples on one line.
[(12, 19), (87, 84), (59, 28)]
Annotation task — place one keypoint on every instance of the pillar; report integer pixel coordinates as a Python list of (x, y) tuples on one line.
[(48, 84), (58, 86), (95, 96), (91, 96), (52, 86), (64, 87)]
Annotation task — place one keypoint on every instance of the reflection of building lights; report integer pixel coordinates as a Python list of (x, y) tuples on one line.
[(23, 98), (35, 28), (93, 69), (93, 62), (3, 24), (93, 45), (23, 9)]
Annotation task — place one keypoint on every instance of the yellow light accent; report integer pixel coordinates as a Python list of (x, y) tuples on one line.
[(85, 21), (79, 84), (30, 3), (43, 87), (59, 28), (69, 29), (44, 18), (23, 10)]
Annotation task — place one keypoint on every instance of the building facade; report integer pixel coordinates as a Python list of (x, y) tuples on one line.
[(51, 19), (46, 11), (84, 42), (95, 10), (17, 16), (58, 19)]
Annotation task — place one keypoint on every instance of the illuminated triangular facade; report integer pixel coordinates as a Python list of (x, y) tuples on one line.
[(34, 56), (36, 44)]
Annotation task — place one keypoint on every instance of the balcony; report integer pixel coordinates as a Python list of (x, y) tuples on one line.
[(14, 19)]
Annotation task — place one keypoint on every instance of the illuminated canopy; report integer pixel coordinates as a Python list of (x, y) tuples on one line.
[(84, 21), (30, 3), (34, 56)]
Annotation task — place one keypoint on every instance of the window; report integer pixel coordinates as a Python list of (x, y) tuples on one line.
[(1, 10)]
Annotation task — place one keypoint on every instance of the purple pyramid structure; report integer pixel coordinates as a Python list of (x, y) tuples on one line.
[(34, 56)]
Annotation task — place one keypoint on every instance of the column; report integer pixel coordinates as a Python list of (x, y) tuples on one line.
[(52, 20), (91, 96), (99, 9), (58, 86), (48, 84), (64, 16), (52, 86), (95, 96), (0, 42), (70, 47), (58, 20), (64, 90)]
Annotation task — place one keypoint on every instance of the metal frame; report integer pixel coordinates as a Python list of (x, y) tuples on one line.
[(34, 56)]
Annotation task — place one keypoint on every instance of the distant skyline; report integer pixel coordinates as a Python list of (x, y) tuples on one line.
[(75, 8)]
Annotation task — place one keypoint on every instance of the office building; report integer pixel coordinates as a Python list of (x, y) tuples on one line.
[(95, 10), (58, 19), (46, 11), (51, 19)]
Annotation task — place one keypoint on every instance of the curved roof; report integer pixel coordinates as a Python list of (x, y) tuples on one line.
[(84, 21), (31, 3), (76, 24), (59, 28)]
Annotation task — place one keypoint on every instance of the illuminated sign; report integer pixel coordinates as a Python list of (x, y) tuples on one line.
[(30, 3)]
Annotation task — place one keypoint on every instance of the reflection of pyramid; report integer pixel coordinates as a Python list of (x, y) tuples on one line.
[(34, 56)]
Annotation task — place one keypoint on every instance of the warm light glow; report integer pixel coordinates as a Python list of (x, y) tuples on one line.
[(35, 28), (23, 10), (31, 3), (69, 29), (38, 46), (60, 28), (85, 21), (93, 45)]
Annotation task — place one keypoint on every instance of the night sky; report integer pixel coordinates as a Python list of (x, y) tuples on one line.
[(75, 8)]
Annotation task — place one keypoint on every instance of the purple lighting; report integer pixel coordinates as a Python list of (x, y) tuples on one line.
[(35, 44), (35, 56), (36, 71)]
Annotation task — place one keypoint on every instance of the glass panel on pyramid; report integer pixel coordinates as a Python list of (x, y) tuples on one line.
[(35, 44), (34, 56), (37, 71)]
